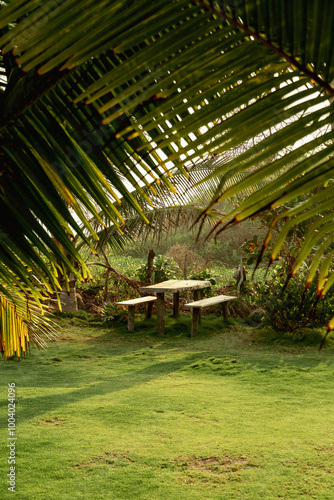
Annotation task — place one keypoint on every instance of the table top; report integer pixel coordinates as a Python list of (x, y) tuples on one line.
[(173, 286), (133, 302)]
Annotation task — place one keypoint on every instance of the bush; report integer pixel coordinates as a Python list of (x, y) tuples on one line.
[(205, 275), (178, 252), (111, 312), (92, 291), (164, 268), (296, 307)]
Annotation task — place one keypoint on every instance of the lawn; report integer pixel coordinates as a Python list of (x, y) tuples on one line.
[(236, 413)]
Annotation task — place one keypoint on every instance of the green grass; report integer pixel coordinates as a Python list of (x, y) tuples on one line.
[(236, 413)]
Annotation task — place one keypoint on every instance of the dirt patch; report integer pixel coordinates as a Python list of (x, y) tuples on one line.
[(216, 465), (114, 459), (328, 450), (52, 421), (71, 338)]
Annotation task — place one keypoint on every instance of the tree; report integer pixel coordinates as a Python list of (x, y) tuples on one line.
[(172, 82)]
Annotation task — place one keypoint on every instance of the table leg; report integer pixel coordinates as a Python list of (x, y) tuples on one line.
[(176, 304), (226, 310), (131, 318), (198, 296), (196, 317), (149, 310), (161, 313)]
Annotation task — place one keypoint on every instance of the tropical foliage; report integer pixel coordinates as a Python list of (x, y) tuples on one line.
[(102, 101), (21, 321), (167, 210), (294, 309)]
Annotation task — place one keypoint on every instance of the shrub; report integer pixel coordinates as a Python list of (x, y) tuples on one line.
[(206, 274), (92, 292), (111, 312), (296, 307), (164, 268), (178, 252)]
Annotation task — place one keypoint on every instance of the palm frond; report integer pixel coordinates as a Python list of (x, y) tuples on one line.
[(168, 210), (157, 86), (21, 321)]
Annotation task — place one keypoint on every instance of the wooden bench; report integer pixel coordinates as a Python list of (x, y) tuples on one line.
[(131, 309), (198, 305)]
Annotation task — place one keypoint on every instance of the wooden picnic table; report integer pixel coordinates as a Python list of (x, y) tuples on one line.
[(174, 287)]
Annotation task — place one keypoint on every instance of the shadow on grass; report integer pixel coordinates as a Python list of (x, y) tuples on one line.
[(179, 326), (306, 337), (36, 406), (88, 365)]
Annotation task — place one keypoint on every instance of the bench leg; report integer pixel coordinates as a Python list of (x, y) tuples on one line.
[(196, 318), (131, 318), (198, 296), (226, 311), (161, 313), (176, 304)]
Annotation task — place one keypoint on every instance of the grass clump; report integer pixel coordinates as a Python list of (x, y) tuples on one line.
[(218, 366)]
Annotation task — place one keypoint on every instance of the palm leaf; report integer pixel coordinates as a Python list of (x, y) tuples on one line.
[(22, 320), (171, 82), (168, 210)]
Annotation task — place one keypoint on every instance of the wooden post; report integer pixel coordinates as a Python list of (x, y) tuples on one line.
[(151, 255), (185, 274), (131, 318), (176, 304), (150, 258), (198, 296), (196, 317), (161, 313), (106, 286), (185, 268)]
